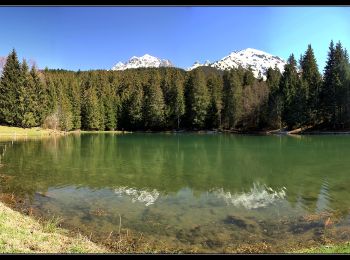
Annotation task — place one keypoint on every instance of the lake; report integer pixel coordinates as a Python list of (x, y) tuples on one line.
[(209, 192)]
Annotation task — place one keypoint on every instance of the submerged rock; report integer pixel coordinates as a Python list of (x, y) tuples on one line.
[(230, 219), (245, 224), (302, 227)]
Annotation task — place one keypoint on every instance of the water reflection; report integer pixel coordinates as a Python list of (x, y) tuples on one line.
[(258, 197), (145, 196), (311, 169)]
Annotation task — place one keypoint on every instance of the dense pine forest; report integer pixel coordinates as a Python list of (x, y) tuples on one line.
[(172, 99)]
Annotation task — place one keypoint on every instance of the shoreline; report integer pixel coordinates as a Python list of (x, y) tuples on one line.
[(18, 132), (25, 234), (38, 132)]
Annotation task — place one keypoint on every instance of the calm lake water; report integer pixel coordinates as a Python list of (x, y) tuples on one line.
[(206, 191)]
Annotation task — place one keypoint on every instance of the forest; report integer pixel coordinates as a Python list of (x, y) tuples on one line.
[(160, 99)]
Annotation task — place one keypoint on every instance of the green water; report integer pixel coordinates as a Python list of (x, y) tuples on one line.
[(205, 191)]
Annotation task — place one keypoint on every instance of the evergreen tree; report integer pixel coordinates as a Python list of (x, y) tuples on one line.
[(273, 110), (176, 100), (197, 99), (330, 83), (214, 119), (91, 114), (153, 105), (28, 105), (233, 102), (110, 108), (41, 100), (24, 99), (49, 101), (75, 99), (334, 91), (345, 76), (248, 78), (312, 80), (134, 104), (288, 87), (343, 73), (298, 112), (65, 114), (9, 89)]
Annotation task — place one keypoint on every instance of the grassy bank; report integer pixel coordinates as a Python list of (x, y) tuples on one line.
[(11, 131), (343, 248), (23, 234)]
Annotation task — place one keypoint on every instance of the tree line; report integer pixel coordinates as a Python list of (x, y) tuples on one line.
[(171, 98)]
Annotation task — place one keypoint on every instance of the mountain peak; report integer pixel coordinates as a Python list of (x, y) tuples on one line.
[(259, 61), (147, 56), (145, 61)]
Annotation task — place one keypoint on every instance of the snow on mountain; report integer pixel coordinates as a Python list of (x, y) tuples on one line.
[(146, 61), (195, 65), (198, 64), (257, 60)]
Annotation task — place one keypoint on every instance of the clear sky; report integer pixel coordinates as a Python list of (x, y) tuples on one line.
[(98, 37)]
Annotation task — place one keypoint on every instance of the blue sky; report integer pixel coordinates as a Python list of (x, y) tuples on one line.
[(98, 37)]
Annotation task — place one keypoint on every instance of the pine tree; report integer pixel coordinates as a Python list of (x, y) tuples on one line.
[(345, 75), (65, 114), (232, 101), (153, 105), (23, 96), (312, 80), (342, 71), (9, 89), (248, 78), (176, 100), (31, 93), (274, 106), (288, 87), (41, 99), (49, 102), (197, 99), (328, 93), (91, 114), (298, 112), (75, 99), (334, 90), (110, 108), (214, 119), (134, 104)]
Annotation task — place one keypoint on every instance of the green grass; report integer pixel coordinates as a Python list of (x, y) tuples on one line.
[(343, 248), (52, 225), (18, 131), (23, 234), (11, 131)]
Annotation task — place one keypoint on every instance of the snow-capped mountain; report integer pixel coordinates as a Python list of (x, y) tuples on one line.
[(146, 61), (257, 60), (198, 64)]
